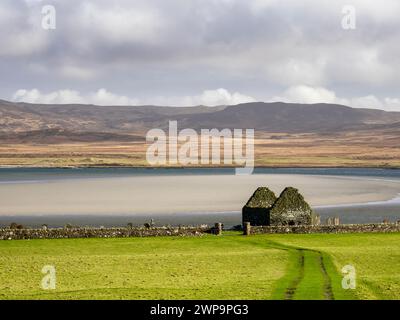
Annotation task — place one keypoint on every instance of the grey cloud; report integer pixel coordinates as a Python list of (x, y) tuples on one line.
[(259, 48)]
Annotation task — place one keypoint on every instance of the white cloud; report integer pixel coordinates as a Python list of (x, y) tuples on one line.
[(307, 94), (266, 45), (369, 101), (216, 98), (103, 97), (100, 97), (56, 97), (119, 24), (379, 12), (20, 31), (392, 104), (258, 6), (295, 94), (210, 98)]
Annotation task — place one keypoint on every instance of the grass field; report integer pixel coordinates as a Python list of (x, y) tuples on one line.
[(227, 267)]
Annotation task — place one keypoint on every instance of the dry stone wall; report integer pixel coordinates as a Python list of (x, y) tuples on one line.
[(64, 233), (343, 228)]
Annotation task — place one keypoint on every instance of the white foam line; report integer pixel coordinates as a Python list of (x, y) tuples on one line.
[(395, 200)]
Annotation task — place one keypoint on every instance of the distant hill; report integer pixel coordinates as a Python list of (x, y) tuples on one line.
[(51, 136), (39, 122)]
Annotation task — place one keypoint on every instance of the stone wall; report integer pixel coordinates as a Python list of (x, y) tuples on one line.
[(291, 209), (344, 228), (64, 233)]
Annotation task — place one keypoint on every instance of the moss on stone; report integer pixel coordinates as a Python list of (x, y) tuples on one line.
[(256, 209), (261, 198), (291, 208)]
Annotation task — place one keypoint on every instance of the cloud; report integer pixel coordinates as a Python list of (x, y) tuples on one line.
[(388, 103), (221, 96), (369, 101), (100, 97), (104, 97), (20, 33), (392, 104), (308, 94), (75, 72), (216, 98), (294, 94), (176, 48), (258, 6), (117, 24)]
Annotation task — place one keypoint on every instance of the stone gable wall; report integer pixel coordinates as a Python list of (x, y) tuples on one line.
[(256, 216)]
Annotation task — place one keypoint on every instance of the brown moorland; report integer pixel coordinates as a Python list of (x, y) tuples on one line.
[(287, 135)]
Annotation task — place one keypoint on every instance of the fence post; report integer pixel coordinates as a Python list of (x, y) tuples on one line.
[(336, 221), (317, 220), (218, 229), (246, 228)]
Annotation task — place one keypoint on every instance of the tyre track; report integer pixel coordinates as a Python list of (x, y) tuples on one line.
[(327, 286), (291, 290), (302, 258)]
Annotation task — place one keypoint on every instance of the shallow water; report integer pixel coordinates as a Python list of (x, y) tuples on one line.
[(116, 196)]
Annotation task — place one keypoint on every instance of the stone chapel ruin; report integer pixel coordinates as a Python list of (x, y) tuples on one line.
[(289, 209)]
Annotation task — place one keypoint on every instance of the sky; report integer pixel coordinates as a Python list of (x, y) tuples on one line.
[(201, 52)]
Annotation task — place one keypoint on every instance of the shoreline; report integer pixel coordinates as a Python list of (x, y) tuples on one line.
[(388, 167), (189, 194), (395, 201)]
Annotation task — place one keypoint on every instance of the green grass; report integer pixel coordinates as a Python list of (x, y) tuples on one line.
[(231, 266), (376, 258)]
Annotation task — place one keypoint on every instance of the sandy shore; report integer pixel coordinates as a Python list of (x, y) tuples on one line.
[(180, 194)]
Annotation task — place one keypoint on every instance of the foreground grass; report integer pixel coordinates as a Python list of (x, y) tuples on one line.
[(228, 267), (141, 268), (376, 258)]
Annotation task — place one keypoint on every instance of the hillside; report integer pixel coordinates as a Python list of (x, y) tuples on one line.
[(293, 135), (265, 117)]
